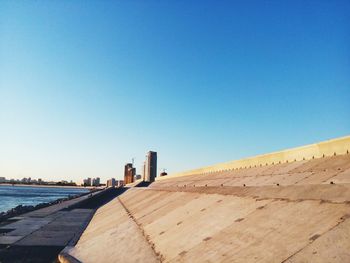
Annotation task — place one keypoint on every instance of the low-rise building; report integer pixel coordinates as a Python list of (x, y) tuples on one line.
[(96, 181), (87, 182), (111, 182)]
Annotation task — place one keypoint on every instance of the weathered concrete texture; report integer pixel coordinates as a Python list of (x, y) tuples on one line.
[(112, 236), (286, 212), (197, 227)]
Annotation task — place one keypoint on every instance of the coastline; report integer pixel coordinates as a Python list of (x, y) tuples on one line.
[(53, 186), (22, 209)]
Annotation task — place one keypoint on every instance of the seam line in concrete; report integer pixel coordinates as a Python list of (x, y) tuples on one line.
[(158, 255), (313, 240), (197, 190)]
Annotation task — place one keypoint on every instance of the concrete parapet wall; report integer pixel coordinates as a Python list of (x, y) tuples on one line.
[(336, 146)]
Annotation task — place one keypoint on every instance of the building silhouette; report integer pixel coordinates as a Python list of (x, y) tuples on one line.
[(111, 182), (96, 181), (129, 173), (150, 170)]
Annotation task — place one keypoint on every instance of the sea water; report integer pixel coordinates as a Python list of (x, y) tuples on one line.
[(12, 196)]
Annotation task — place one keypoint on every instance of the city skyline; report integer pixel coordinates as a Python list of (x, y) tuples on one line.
[(87, 87)]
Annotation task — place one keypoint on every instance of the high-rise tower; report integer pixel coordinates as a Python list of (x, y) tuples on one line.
[(150, 167)]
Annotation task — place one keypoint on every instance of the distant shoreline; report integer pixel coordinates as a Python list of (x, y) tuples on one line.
[(55, 186)]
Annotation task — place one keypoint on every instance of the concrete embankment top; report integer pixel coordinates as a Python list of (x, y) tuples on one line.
[(332, 147)]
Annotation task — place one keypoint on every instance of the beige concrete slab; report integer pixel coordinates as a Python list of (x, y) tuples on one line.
[(341, 178), (198, 227), (318, 177), (337, 193), (333, 246), (270, 234), (112, 236)]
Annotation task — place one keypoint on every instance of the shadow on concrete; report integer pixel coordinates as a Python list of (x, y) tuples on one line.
[(99, 200), (29, 254), (48, 254), (143, 184)]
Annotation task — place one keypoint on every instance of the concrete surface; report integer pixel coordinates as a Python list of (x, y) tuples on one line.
[(287, 212), (112, 236), (324, 170), (338, 146)]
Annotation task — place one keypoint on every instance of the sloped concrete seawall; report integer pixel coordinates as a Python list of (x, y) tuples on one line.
[(295, 211), (332, 147)]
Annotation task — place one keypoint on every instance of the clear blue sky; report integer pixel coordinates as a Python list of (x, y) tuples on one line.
[(87, 85)]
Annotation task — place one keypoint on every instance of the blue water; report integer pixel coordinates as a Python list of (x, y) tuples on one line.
[(12, 196)]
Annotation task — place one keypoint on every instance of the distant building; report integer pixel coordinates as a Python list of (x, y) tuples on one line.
[(129, 173), (2, 179), (111, 182), (144, 171), (150, 167), (96, 181), (87, 182), (120, 183)]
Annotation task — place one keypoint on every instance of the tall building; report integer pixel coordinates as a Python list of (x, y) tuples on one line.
[(144, 171), (150, 167), (129, 173)]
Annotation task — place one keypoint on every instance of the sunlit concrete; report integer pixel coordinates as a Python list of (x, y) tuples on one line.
[(295, 211)]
